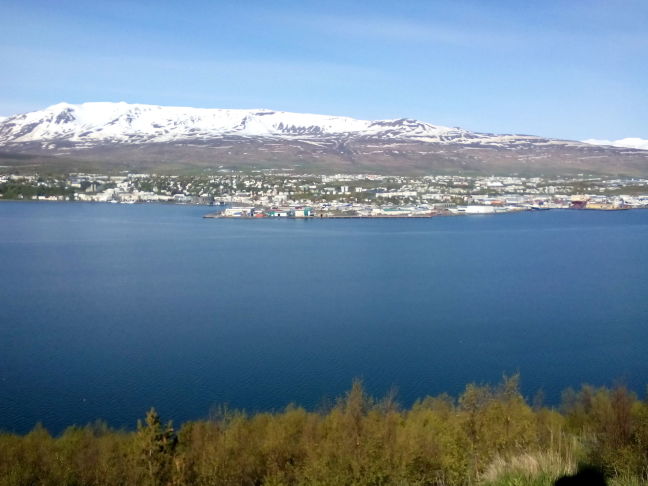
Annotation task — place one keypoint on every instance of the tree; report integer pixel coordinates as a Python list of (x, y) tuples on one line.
[(156, 444)]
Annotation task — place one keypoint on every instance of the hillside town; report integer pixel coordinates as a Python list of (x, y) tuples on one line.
[(282, 193)]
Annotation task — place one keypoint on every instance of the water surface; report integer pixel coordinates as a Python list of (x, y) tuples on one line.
[(107, 310)]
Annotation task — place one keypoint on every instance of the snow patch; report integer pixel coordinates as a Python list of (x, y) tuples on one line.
[(630, 142)]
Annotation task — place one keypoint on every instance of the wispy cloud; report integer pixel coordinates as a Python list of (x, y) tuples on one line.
[(212, 64), (395, 29), (481, 30)]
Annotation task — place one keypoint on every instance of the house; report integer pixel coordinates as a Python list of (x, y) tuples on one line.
[(302, 212), (245, 212), (279, 213)]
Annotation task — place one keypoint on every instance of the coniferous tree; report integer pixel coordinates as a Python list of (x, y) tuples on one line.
[(156, 444)]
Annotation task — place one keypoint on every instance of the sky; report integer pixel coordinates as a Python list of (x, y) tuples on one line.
[(571, 69)]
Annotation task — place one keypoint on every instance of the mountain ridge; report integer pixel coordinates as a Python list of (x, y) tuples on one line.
[(101, 121), (154, 137)]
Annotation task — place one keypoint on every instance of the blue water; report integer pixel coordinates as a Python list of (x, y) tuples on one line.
[(107, 310)]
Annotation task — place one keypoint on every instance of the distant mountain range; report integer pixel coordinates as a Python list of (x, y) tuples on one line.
[(116, 136)]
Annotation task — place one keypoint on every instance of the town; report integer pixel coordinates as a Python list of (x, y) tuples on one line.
[(283, 193)]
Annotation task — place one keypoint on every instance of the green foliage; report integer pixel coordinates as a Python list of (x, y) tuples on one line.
[(155, 446), (24, 190), (613, 426), (489, 436)]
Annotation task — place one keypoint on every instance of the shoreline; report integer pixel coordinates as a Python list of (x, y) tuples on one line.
[(219, 215)]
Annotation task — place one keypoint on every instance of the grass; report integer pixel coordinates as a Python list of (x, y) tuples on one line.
[(533, 469)]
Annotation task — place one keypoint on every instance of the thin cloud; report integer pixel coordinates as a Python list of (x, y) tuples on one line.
[(396, 30), (476, 32), (193, 67)]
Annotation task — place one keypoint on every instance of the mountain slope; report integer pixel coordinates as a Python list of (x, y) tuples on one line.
[(92, 123), (121, 122), (152, 137)]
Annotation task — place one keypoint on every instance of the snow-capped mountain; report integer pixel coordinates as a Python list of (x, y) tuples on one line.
[(630, 142), (91, 123), (126, 136), (122, 122)]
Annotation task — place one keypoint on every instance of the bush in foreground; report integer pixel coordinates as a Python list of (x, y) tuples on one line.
[(489, 436)]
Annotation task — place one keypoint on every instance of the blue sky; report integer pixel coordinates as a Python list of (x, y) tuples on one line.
[(569, 69)]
